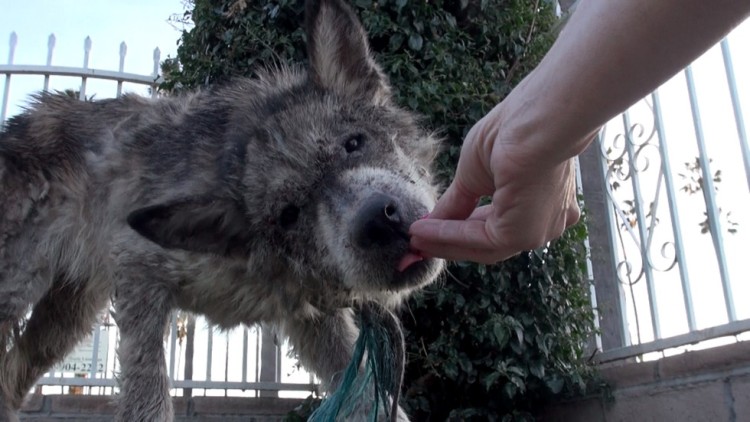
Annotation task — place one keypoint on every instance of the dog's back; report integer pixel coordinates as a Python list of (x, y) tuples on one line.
[(60, 162)]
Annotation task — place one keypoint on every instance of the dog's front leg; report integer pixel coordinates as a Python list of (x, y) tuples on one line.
[(143, 307), (325, 346)]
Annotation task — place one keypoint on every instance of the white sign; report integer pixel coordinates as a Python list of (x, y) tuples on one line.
[(80, 360)]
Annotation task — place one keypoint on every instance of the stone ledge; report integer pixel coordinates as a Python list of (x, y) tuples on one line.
[(239, 405), (716, 359), (39, 408), (689, 364), (702, 385), (81, 405)]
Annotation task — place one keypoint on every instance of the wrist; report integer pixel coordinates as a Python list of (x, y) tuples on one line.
[(541, 128)]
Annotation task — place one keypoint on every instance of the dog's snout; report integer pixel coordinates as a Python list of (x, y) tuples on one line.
[(379, 222)]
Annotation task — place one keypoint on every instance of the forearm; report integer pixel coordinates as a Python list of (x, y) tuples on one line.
[(611, 54)]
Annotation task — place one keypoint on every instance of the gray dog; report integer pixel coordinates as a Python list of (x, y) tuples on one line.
[(283, 200)]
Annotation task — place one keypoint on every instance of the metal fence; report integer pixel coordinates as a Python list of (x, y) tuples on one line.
[(675, 172), (84, 73), (246, 361)]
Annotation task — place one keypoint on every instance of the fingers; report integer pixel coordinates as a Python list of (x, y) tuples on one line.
[(473, 179), (453, 253), (456, 203), (489, 234), (468, 240), (459, 240), (462, 234), (530, 206), (573, 212), (481, 213)]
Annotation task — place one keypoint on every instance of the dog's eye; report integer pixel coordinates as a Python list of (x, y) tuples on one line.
[(289, 216), (353, 143)]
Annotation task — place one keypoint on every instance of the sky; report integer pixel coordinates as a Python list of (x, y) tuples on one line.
[(143, 25)]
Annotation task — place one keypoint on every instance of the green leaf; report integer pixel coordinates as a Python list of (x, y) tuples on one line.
[(489, 380), (519, 335), (415, 42), (395, 42), (555, 384), (537, 369), (501, 335), (510, 390)]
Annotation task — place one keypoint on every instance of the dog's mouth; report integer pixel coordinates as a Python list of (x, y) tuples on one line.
[(412, 269), (410, 258)]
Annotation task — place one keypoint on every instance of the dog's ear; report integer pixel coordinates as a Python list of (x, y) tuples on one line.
[(339, 53), (199, 224)]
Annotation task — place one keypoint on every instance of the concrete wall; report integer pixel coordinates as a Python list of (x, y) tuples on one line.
[(60, 408), (707, 385)]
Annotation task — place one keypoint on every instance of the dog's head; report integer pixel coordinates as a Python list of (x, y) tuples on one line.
[(322, 174)]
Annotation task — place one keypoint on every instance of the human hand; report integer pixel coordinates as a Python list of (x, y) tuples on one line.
[(533, 198)]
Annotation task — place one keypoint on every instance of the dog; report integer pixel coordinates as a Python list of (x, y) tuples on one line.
[(284, 199)]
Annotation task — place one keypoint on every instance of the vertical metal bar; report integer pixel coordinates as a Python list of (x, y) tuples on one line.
[(589, 266), (738, 117), (269, 361), (189, 353), (279, 361), (257, 356), (86, 54), (226, 360), (687, 296), (643, 235), (209, 353), (121, 68), (50, 50), (157, 60), (611, 221), (709, 195), (6, 91), (244, 353), (95, 352), (173, 346)]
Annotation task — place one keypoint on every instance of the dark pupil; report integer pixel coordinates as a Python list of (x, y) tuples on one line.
[(289, 216), (352, 144)]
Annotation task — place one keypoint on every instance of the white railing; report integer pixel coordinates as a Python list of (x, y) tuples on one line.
[(675, 169), (83, 73), (244, 361)]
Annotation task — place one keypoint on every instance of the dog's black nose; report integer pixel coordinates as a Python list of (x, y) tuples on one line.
[(379, 222)]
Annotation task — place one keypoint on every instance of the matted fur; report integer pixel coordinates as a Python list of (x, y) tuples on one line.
[(281, 200)]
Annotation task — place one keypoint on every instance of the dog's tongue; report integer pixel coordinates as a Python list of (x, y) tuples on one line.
[(407, 260)]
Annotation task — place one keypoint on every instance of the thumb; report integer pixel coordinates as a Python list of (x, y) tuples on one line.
[(472, 180), (456, 203)]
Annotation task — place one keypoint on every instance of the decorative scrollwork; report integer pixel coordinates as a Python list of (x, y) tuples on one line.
[(635, 181)]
